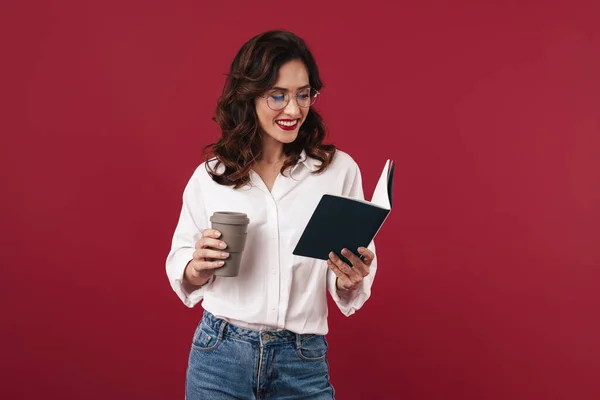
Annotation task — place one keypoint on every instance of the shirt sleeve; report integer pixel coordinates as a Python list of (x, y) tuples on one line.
[(350, 302), (192, 221)]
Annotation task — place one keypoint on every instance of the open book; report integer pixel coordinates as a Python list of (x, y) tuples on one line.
[(341, 222)]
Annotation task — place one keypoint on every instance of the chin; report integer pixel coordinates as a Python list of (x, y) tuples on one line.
[(284, 137), (289, 138)]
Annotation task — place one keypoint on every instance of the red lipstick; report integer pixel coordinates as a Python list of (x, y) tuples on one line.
[(288, 127)]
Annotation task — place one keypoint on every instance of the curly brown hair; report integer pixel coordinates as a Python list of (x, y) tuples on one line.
[(254, 71)]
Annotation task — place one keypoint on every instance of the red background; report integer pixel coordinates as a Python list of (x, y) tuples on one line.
[(489, 264)]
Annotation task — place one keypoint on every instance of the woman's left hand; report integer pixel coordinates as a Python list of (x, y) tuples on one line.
[(350, 277)]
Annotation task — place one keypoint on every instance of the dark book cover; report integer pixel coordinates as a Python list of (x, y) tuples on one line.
[(341, 222)]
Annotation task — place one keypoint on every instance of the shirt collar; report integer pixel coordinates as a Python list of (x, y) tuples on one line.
[(307, 161)]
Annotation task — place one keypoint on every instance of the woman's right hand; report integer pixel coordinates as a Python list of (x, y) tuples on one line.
[(208, 256)]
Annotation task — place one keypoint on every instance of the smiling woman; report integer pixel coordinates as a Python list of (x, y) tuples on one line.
[(263, 331)]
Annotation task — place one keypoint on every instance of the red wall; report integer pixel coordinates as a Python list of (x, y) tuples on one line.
[(489, 264)]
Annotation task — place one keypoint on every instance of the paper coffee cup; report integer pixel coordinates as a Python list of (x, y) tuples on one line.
[(234, 230)]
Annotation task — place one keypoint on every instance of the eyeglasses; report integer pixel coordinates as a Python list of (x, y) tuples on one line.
[(278, 99)]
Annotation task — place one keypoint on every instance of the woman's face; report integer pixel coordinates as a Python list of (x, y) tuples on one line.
[(283, 125)]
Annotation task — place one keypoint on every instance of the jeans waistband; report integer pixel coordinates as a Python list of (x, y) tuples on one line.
[(264, 336)]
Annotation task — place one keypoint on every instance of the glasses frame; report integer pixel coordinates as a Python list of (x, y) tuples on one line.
[(288, 98)]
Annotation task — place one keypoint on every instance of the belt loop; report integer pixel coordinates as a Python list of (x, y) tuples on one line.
[(298, 340), (222, 328)]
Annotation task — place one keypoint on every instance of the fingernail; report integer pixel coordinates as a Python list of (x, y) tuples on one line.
[(222, 245), (221, 262), (225, 254), (332, 254), (345, 252), (218, 233)]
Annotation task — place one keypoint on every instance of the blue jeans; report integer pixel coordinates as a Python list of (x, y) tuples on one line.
[(229, 362)]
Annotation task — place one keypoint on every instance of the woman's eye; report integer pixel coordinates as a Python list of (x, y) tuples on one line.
[(277, 97)]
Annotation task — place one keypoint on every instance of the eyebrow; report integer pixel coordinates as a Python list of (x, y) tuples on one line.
[(285, 90)]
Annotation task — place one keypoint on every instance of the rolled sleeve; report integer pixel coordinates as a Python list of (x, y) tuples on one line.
[(351, 301), (192, 221)]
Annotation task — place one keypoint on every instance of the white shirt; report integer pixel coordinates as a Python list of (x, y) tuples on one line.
[(274, 289)]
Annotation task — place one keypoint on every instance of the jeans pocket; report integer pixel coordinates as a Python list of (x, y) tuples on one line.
[(312, 348), (205, 338)]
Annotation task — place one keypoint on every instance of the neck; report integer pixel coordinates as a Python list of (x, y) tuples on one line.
[(272, 153)]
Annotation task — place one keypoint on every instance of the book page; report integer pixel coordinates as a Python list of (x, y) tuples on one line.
[(380, 194)]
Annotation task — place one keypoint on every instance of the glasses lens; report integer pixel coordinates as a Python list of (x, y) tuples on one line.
[(307, 97), (304, 97), (277, 100)]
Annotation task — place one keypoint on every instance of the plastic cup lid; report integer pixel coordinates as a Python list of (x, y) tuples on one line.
[(230, 218)]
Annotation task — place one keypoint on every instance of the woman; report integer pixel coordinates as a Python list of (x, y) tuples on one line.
[(262, 333)]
